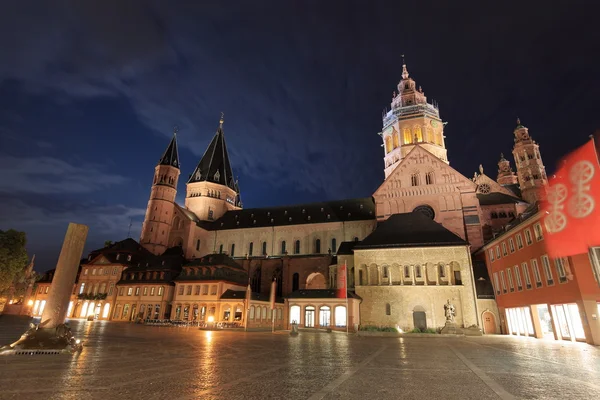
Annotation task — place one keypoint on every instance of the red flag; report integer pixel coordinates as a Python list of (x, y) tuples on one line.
[(570, 214), (273, 289), (342, 287)]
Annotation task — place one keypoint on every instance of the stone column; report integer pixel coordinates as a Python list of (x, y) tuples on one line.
[(64, 278)]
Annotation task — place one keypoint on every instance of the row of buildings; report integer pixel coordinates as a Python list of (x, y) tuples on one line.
[(426, 236)]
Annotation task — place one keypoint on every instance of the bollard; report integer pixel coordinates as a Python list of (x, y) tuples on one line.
[(294, 331)]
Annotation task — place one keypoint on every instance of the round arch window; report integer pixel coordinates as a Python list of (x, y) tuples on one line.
[(425, 210)]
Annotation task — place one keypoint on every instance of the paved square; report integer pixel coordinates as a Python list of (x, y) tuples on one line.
[(122, 360)]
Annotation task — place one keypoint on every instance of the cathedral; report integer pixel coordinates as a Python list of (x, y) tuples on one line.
[(407, 247)]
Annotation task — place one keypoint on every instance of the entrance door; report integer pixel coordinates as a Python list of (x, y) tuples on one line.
[(489, 323), (309, 317), (420, 320)]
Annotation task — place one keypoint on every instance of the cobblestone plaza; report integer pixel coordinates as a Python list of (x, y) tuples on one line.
[(123, 360)]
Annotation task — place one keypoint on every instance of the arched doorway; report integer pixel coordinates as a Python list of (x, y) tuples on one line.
[(489, 323), (295, 314), (419, 318), (324, 316)]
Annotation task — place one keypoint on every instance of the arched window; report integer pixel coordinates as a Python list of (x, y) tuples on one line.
[(317, 246), (442, 270), (360, 277), (250, 248), (340, 316), (388, 144), (283, 247), (264, 248), (324, 316), (334, 246), (295, 282), (395, 139), (251, 315), (406, 138), (220, 249), (385, 272), (198, 244), (494, 215), (356, 238), (414, 179), (429, 135), (417, 133), (297, 247), (232, 249), (388, 309), (418, 271), (406, 271), (429, 178)]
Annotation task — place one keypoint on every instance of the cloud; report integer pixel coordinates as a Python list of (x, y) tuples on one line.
[(48, 175), (183, 67)]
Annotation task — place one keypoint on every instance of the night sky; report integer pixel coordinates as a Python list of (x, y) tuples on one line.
[(89, 95)]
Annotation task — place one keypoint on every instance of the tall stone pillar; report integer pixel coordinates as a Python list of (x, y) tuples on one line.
[(64, 278)]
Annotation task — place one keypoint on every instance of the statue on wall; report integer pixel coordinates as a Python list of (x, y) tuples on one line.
[(449, 311)]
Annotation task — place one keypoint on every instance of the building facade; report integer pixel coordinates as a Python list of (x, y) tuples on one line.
[(213, 242), (539, 296)]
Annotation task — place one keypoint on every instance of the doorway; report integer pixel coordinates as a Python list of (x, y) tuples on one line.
[(489, 323), (420, 320), (309, 317)]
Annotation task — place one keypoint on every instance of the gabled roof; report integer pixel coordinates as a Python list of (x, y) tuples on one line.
[(171, 155), (214, 166), (412, 229), (410, 157), (312, 213), (497, 198)]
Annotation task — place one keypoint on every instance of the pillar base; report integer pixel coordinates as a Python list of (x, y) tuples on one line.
[(44, 341), (451, 329)]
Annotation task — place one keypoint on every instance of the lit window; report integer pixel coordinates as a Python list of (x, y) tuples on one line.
[(503, 282), (518, 278), (498, 252), (528, 239), (536, 273), (496, 284), (504, 251), (560, 264), (189, 290), (181, 289), (81, 289), (152, 291), (547, 270), (539, 235), (526, 274), (137, 291), (511, 245), (129, 291), (491, 254), (519, 241), (510, 280)]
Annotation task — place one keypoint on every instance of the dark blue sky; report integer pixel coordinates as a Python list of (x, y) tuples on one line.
[(89, 94)]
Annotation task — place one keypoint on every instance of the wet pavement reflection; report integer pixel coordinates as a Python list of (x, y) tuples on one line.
[(135, 361)]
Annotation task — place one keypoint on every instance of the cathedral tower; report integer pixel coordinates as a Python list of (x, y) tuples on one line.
[(212, 189), (411, 121), (530, 169), (159, 214), (506, 176)]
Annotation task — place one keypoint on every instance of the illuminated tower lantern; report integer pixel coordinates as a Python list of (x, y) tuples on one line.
[(530, 169), (159, 214), (411, 120)]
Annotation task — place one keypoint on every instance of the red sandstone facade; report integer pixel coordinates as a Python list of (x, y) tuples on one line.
[(542, 297)]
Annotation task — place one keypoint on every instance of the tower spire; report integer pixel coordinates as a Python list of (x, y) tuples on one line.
[(171, 154), (404, 69)]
